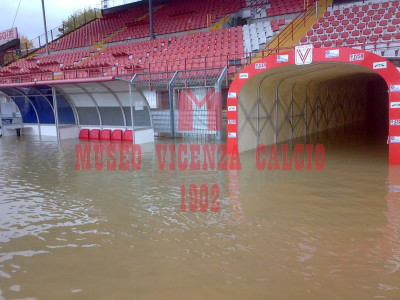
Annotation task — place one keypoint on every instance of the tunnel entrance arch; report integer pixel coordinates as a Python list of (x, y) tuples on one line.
[(282, 97)]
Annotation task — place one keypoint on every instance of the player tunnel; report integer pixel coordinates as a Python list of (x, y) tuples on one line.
[(283, 98)]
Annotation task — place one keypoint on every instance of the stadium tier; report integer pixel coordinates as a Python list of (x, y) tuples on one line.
[(187, 39), (271, 8), (176, 16), (373, 26), (184, 52)]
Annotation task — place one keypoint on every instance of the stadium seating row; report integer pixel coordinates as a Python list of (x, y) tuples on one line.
[(199, 50), (271, 8), (257, 34), (175, 16), (106, 134), (361, 26)]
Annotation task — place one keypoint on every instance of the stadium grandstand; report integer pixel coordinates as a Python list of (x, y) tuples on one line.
[(158, 67)]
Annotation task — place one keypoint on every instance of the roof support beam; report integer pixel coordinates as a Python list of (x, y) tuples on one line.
[(94, 101)]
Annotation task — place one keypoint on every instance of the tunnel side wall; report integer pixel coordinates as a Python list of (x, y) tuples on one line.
[(289, 108)]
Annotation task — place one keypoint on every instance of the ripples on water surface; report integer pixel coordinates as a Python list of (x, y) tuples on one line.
[(332, 234)]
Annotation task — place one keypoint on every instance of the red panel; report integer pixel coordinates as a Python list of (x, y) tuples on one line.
[(185, 112)]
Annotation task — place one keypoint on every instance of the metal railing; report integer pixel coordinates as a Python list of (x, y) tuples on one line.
[(54, 34), (293, 27)]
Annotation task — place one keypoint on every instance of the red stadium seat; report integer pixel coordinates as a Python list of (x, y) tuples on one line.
[(350, 41), (105, 134), (339, 29), (339, 43), (362, 40), (94, 134), (381, 11), (334, 36), (378, 30), (84, 134), (116, 135), (388, 16), (366, 19), (361, 26), (383, 23), (127, 135), (367, 32), (373, 38), (377, 17)]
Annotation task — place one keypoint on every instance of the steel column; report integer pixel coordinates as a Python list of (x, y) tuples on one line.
[(171, 102), (55, 109)]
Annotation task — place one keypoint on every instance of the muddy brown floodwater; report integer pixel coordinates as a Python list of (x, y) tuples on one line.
[(67, 234)]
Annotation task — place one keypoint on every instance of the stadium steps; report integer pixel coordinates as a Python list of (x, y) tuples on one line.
[(100, 45), (220, 23), (123, 29)]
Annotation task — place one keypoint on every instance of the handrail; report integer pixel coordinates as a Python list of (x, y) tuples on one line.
[(292, 27)]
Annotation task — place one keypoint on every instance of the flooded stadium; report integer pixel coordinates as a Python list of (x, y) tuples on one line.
[(278, 234), (219, 149)]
